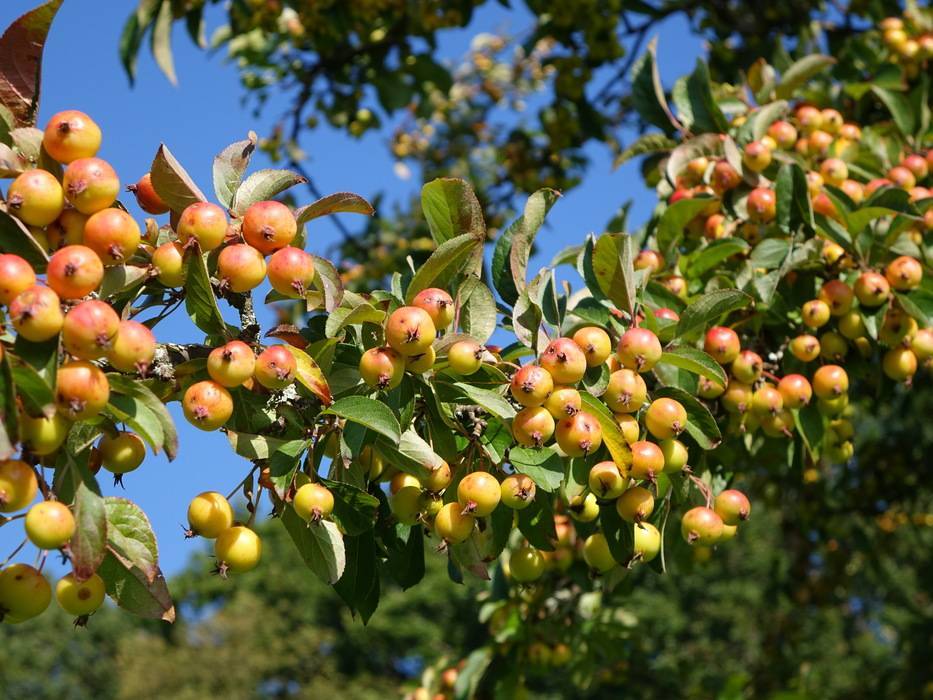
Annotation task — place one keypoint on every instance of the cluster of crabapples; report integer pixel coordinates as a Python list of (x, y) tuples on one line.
[(71, 212), (551, 407), (909, 41)]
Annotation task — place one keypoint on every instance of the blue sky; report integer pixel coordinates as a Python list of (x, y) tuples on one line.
[(81, 70)]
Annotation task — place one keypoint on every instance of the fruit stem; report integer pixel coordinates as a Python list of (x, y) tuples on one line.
[(242, 482), (14, 552)]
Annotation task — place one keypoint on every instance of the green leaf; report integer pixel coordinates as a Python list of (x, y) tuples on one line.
[(648, 95), (444, 264), (89, 543), (354, 509), (326, 289), (122, 278), (406, 555), (320, 545), (172, 183), (470, 677), (702, 145), (701, 425), (370, 413), (477, 309), (794, 208), (542, 464), (263, 185), (16, 239), (130, 537), (900, 108), (284, 463), (705, 113), (696, 361), (162, 42), (800, 72), (536, 523), (708, 308), (359, 586), (613, 267), (618, 448), (919, 305), (770, 253), (765, 117), (144, 401), (133, 591), (21, 61), (674, 221), (809, 424), (620, 535), (646, 143), (254, 447), (337, 203), (705, 259), (350, 316), (524, 231), (9, 419), (310, 376), (230, 165), (451, 209), (412, 454), (491, 400), (33, 367), (527, 314)]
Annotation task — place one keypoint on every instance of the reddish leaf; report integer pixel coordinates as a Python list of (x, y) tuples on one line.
[(21, 61)]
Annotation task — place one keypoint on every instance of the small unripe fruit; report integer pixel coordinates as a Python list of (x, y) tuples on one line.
[(665, 418), (169, 262), (675, 455), (452, 525), (121, 453), (708, 388), (90, 185), (647, 460), (18, 485), (834, 171), (268, 226), (518, 491), (830, 382), (382, 368), (313, 502), (649, 260), (526, 564), (904, 273), (579, 434), (410, 331), (16, 276), (438, 478), (767, 400), (701, 525), (36, 198), (635, 505), (401, 480), (49, 525), (275, 367), (922, 344), (647, 543), (756, 156), (838, 296), (732, 506), (564, 360), (583, 508), (595, 344), (37, 314), (714, 228), (896, 327), (596, 553), (89, 329), (564, 401), (291, 271), (204, 222), (238, 548), (240, 268), (133, 348), (606, 481), (795, 390), (146, 196), (533, 426), (724, 178), (816, 313), (231, 364), (209, 514), (626, 391), (639, 349), (805, 348), (70, 135), (747, 367), (113, 234), (74, 272), (902, 177), (80, 598), (784, 134), (531, 385), (737, 397), (723, 344), (438, 304), (406, 504), (465, 357), (762, 205), (479, 493), (81, 391), (43, 435), (899, 364), (207, 405), (419, 364), (24, 593), (851, 326), (780, 424), (628, 424), (834, 406)]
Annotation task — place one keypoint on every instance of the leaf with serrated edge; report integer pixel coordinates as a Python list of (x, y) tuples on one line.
[(337, 203)]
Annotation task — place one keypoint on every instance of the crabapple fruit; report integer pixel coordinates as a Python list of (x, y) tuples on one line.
[(207, 405)]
